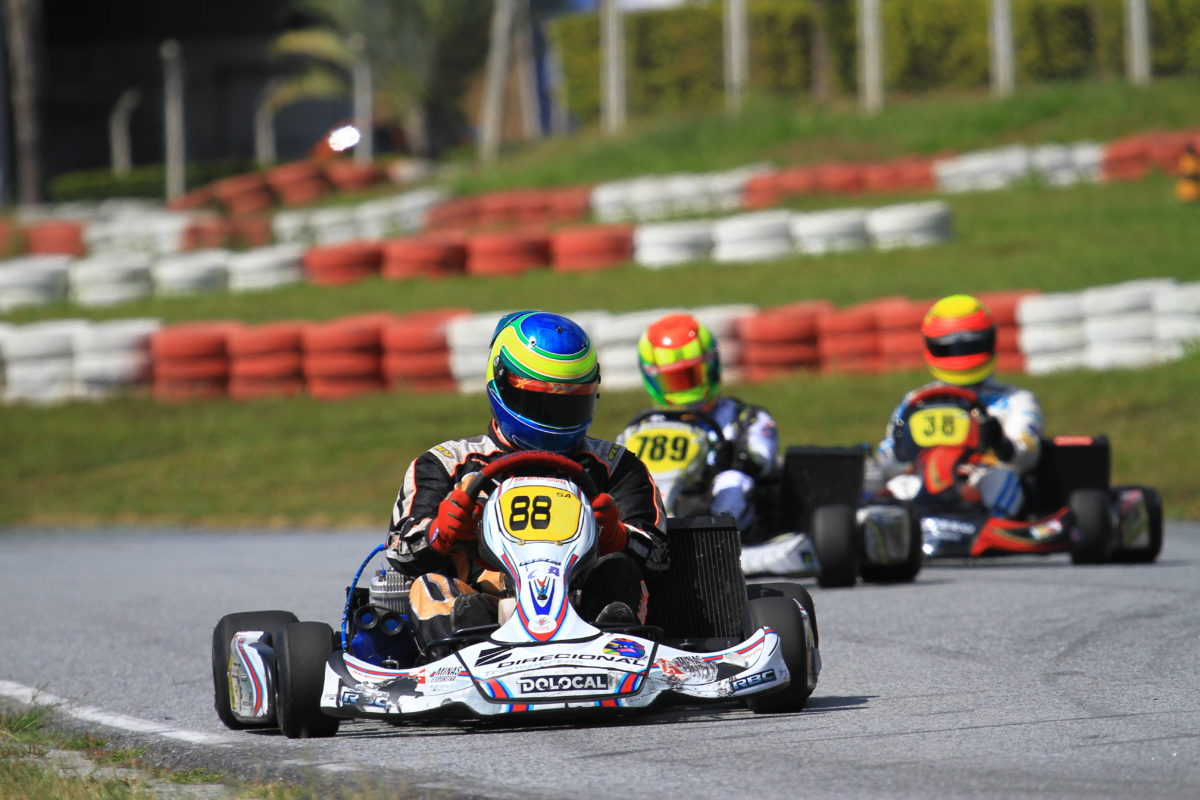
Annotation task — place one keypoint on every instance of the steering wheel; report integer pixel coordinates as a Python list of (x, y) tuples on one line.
[(527, 461)]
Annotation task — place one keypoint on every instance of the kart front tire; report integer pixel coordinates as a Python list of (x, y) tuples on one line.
[(904, 572), (301, 650), (222, 636), (788, 589), (783, 616), (1093, 517), (1154, 509), (835, 536)]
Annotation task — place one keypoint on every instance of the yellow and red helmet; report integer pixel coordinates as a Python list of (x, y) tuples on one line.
[(960, 340), (679, 361)]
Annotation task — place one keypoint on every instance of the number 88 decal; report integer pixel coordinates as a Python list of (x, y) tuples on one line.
[(540, 513)]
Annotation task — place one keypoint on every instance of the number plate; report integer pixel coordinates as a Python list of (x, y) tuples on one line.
[(667, 448), (933, 427), (540, 513)]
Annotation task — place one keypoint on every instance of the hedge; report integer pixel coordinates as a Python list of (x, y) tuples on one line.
[(148, 181), (674, 57)]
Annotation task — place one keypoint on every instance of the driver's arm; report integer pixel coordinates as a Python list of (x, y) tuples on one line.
[(888, 460), (641, 508), (1021, 420), (426, 484)]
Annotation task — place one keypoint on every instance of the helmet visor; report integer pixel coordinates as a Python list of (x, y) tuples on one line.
[(962, 343), (554, 405), (679, 376)]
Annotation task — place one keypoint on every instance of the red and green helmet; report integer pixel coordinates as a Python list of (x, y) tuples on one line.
[(679, 361)]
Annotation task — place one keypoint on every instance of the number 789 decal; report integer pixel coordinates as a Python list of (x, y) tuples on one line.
[(540, 513)]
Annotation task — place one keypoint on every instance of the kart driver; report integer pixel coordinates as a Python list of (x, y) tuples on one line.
[(681, 369), (542, 382), (960, 349)]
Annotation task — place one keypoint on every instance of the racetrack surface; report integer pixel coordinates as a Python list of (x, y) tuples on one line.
[(1006, 678)]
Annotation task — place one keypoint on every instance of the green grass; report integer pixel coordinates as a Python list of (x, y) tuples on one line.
[(305, 462), (787, 132)]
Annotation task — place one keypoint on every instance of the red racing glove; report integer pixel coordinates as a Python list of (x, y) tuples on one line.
[(455, 522), (608, 519)]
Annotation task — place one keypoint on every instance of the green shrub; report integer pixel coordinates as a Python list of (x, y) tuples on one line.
[(142, 181), (674, 58)]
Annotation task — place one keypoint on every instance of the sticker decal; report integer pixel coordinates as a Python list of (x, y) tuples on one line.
[(540, 513), (625, 647), (757, 679), (580, 682)]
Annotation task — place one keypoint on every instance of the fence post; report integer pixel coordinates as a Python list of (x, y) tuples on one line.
[(497, 70), (364, 108), (737, 55), (1000, 39), (1137, 42), (870, 49), (119, 148), (612, 54), (173, 131)]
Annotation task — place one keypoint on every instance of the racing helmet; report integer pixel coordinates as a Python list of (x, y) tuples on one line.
[(679, 361), (542, 381), (960, 340)]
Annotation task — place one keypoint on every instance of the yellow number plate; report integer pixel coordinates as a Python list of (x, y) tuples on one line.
[(933, 427), (540, 513), (665, 449)]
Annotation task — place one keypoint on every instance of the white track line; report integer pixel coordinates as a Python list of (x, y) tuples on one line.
[(29, 696)]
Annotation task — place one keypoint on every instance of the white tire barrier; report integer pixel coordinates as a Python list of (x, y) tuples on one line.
[(1120, 298), (983, 170), (671, 244), (196, 272), (909, 225), (758, 236), (111, 278), (266, 267), (1053, 308), (1050, 337), (834, 231), (292, 227), (33, 281), (1136, 326), (38, 361), (333, 225)]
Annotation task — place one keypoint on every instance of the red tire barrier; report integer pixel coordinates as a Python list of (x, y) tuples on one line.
[(254, 388), (847, 345), (796, 322), (361, 332), (425, 257), (762, 191), (420, 332), (917, 174), (781, 354), (344, 364), (591, 248), (298, 183), (902, 316), (190, 369), (571, 204), (207, 233), (350, 176), (274, 337), (506, 253), (193, 200), (900, 343), (883, 178), (1003, 305), (410, 366), (839, 178), (426, 385), (55, 237), (247, 232), (271, 365), (338, 264), (1126, 159), (461, 213), (193, 340)]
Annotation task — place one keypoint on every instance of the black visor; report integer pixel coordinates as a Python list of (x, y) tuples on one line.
[(962, 343), (549, 408)]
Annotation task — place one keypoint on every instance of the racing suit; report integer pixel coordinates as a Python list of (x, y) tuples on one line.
[(753, 447), (452, 592), (998, 481)]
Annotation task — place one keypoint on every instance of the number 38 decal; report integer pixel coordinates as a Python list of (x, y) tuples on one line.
[(940, 426), (540, 513)]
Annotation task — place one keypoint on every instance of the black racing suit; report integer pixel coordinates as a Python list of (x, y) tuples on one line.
[(616, 471)]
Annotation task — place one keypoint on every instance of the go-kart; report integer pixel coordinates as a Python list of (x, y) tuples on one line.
[(1069, 504), (537, 527), (807, 511)]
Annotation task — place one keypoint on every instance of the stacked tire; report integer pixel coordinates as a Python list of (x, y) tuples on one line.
[(297, 184), (266, 268), (1177, 319), (344, 357), (591, 248), (1003, 307), (39, 361), (191, 360), (909, 225), (848, 340), (197, 272), (429, 256), (757, 236), (671, 244), (507, 254), (416, 354), (835, 231), (55, 237), (113, 357), (1050, 336), (265, 360), (898, 331), (1119, 324), (33, 281), (340, 264), (781, 340)]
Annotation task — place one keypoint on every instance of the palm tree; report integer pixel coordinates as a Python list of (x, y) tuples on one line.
[(421, 53)]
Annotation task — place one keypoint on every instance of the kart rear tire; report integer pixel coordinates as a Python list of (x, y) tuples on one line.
[(788, 589), (301, 650), (904, 572), (783, 616), (222, 635), (1093, 516), (835, 536), (1154, 510)]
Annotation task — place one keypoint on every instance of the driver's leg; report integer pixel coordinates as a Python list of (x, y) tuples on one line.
[(441, 605), (732, 491), (999, 489), (614, 578)]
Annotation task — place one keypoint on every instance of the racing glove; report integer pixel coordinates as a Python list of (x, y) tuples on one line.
[(613, 535), (991, 437), (455, 522)]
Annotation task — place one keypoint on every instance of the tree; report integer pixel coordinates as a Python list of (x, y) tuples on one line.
[(422, 54), (23, 30)]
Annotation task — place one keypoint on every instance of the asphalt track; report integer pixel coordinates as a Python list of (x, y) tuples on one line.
[(1000, 679)]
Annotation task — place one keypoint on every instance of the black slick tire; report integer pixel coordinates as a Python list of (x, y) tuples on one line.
[(788, 589), (783, 616), (222, 635), (835, 536), (1093, 517), (1154, 510), (301, 650), (904, 572)]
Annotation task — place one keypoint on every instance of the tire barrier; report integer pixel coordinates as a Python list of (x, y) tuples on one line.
[(265, 360), (416, 354), (591, 248), (39, 361), (110, 279), (33, 281), (507, 254), (757, 236), (266, 268), (191, 360), (344, 357), (197, 272), (112, 357), (335, 265), (428, 256)]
